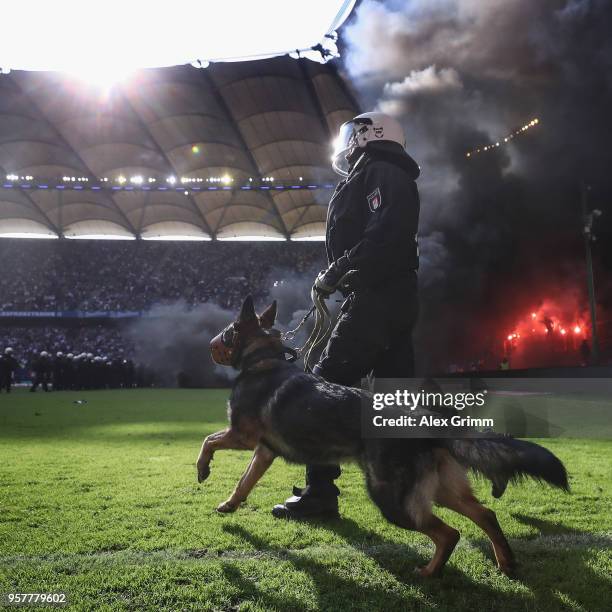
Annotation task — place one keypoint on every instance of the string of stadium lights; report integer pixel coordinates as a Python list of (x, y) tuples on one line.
[(188, 184), (505, 139), (141, 183)]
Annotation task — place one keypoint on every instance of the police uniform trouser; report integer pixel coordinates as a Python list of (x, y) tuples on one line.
[(373, 334), (5, 381)]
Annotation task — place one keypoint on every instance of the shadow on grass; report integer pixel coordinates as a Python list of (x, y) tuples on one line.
[(335, 592), (557, 578), (564, 567)]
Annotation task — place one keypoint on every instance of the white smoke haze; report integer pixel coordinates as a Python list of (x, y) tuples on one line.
[(173, 339), (427, 80)]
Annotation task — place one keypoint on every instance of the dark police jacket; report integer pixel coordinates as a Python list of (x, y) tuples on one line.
[(373, 217), (8, 365)]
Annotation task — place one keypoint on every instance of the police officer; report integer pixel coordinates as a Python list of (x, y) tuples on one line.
[(372, 224), (69, 371), (42, 372), (59, 371), (8, 366)]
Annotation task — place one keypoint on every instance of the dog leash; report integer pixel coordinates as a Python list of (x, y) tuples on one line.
[(322, 326), (320, 330), (291, 333)]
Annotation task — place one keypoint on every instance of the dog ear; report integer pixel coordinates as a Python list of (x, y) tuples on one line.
[(268, 316), (247, 312)]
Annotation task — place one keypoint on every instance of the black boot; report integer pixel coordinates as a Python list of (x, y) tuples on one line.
[(305, 504), (319, 499)]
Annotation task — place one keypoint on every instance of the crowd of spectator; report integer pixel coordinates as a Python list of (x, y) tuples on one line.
[(96, 275), (45, 277)]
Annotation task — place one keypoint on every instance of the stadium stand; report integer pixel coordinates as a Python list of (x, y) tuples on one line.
[(70, 296), (114, 276), (236, 151)]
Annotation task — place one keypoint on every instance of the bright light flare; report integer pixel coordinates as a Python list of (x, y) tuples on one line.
[(551, 320), (102, 79), (120, 36)]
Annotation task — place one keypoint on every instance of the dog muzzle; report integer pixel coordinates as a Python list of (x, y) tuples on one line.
[(222, 347)]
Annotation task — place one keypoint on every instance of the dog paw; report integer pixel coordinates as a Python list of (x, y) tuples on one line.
[(227, 507), (203, 472), (509, 569), (426, 572)]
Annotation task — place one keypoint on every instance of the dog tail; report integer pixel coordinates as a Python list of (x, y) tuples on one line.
[(502, 459)]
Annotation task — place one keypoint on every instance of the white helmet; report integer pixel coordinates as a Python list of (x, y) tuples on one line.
[(69, 355), (44, 354), (367, 127), (59, 354), (8, 350)]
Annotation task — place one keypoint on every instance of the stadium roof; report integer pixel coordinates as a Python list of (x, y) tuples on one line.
[(175, 151)]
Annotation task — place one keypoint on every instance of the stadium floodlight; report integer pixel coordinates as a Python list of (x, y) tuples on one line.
[(119, 37)]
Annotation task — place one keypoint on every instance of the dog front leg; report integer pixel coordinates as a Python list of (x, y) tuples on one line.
[(260, 462), (224, 439)]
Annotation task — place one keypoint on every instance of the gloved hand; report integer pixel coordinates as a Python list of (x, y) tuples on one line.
[(327, 281)]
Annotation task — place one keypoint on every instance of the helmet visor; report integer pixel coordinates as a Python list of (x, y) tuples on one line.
[(342, 145)]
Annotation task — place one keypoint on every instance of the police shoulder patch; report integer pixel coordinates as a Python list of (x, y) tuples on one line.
[(375, 200)]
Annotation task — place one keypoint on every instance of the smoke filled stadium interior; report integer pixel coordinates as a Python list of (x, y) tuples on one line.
[(351, 259), (176, 163), (109, 299)]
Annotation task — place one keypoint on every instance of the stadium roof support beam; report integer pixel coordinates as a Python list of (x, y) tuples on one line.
[(325, 127), (314, 98), (305, 209), (34, 205), (143, 125), (232, 120), (346, 90), (64, 142)]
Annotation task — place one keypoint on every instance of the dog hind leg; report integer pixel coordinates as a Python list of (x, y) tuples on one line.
[(413, 511), (454, 492)]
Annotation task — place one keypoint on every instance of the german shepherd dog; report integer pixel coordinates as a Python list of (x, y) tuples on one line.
[(276, 409)]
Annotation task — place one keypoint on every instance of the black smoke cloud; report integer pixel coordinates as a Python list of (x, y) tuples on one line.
[(500, 230)]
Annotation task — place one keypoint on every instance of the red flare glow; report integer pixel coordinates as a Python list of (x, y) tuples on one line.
[(552, 333)]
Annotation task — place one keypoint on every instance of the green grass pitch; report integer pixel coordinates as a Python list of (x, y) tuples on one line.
[(101, 500)]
